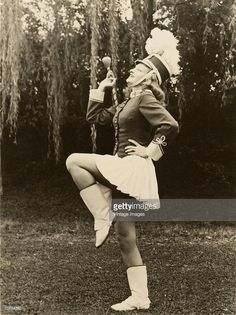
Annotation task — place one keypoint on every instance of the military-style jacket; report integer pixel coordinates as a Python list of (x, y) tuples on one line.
[(141, 118)]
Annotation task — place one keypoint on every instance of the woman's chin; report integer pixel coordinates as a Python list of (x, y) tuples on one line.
[(129, 82)]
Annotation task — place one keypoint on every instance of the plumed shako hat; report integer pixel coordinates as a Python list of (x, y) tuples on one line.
[(163, 56)]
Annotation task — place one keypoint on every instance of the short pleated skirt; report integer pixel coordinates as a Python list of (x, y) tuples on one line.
[(132, 175)]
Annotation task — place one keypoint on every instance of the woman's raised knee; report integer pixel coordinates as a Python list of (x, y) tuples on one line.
[(71, 161)]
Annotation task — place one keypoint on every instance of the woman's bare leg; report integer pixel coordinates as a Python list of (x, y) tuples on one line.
[(136, 271), (126, 233), (84, 171)]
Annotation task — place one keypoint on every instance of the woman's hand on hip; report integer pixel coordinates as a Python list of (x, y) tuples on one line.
[(136, 149)]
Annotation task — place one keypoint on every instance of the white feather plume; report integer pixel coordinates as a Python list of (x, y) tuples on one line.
[(163, 43)]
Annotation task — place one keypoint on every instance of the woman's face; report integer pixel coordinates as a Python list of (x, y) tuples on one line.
[(137, 73)]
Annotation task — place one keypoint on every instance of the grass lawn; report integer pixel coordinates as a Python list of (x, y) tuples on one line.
[(51, 267)]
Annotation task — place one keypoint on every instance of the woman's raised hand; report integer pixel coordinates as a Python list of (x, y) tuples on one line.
[(136, 149), (109, 82)]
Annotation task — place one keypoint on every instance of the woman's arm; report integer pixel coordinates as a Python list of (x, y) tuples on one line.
[(96, 113), (166, 126)]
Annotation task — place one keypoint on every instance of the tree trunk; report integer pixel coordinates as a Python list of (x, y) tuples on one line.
[(95, 9), (140, 26), (1, 187), (114, 33)]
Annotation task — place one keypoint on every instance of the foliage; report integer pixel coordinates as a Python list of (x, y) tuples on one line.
[(59, 46), (12, 44)]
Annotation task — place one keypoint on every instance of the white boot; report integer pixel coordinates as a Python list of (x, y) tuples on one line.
[(98, 202), (107, 193), (137, 278)]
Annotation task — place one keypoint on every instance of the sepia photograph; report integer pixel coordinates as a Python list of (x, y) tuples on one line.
[(117, 157)]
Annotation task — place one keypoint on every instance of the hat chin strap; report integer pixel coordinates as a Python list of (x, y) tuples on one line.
[(147, 75)]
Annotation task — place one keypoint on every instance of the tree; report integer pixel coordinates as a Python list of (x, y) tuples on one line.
[(12, 40)]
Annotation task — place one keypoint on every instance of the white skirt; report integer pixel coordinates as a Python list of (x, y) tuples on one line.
[(133, 175)]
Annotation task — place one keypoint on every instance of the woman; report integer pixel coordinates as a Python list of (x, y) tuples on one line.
[(143, 128)]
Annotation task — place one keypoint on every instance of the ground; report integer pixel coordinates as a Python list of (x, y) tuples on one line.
[(50, 265)]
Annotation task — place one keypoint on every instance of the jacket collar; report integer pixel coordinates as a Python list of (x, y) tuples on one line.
[(139, 92), (135, 93)]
